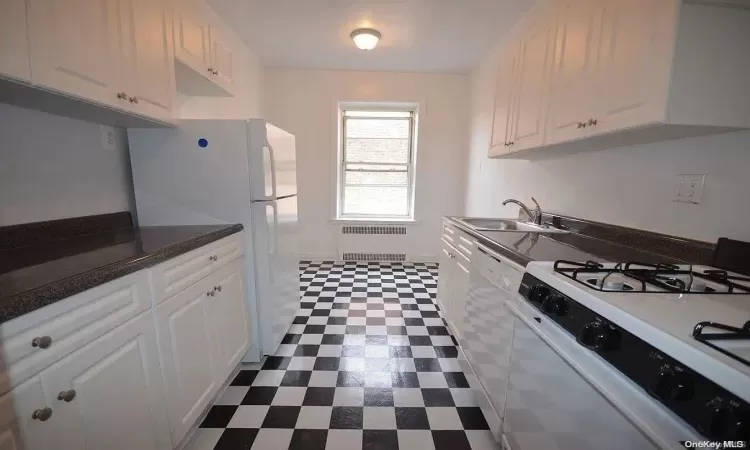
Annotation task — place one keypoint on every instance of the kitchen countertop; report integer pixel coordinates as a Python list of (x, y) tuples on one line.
[(35, 276), (523, 248)]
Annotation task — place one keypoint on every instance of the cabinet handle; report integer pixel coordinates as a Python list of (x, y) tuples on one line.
[(42, 415), (211, 293), (122, 95), (41, 342), (215, 72), (134, 100), (213, 258), (510, 143), (211, 70), (592, 122), (217, 288), (581, 124), (67, 396)]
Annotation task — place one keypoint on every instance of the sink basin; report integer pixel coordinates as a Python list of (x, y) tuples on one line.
[(480, 224)]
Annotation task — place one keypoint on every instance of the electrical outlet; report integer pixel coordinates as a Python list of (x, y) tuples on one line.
[(689, 188), (108, 138)]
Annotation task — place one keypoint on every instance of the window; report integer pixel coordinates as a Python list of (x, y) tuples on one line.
[(376, 168)]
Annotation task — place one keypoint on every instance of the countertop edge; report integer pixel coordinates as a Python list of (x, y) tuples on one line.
[(516, 257), (20, 304)]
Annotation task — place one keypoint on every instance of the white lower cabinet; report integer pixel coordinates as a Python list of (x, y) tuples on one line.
[(203, 334), (453, 285), (19, 430), (109, 393)]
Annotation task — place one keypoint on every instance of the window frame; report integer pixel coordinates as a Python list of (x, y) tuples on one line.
[(410, 163)]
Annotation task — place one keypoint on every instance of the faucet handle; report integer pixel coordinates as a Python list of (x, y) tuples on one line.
[(537, 212)]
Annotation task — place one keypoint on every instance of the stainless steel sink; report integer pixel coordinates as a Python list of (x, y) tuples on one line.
[(482, 224)]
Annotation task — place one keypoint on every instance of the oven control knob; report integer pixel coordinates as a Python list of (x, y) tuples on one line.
[(739, 428), (555, 304), (674, 385), (538, 292), (598, 336), (723, 422)]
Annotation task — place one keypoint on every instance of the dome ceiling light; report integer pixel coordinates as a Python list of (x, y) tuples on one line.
[(365, 38)]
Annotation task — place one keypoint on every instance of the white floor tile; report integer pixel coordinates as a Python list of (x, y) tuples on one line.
[(323, 378), (432, 380), (377, 351), (248, 416), (344, 440), (302, 363), (463, 397), (444, 418), (269, 378), (349, 396), (329, 350), (314, 417), (379, 418), (415, 440), (233, 395), (408, 397), (482, 440), (449, 364), (273, 438), (423, 351), (310, 339), (289, 396), (285, 350)]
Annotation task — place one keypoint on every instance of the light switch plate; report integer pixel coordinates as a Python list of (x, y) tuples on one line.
[(689, 188), (109, 141)]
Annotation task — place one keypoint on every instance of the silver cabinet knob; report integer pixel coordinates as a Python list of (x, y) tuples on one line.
[(217, 288), (41, 342), (592, 122), (42, 414), (581, 124), (211, 293), (67, 396), (122, 95), (134, 100), (210, 70), (213, 258)]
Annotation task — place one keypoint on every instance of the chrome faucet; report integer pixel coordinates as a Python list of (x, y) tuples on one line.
[(535, 217)]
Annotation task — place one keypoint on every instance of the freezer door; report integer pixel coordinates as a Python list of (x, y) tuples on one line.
[(284, 160), (275, 234)]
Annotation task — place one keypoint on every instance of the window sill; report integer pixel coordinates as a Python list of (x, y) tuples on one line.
[(354, 220)]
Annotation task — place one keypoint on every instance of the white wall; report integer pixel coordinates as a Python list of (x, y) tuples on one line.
[(52, 167), (305, 103), (630, 186), (247, 101)]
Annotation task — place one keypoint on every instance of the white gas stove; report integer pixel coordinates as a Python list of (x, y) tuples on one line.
[(681, 333)]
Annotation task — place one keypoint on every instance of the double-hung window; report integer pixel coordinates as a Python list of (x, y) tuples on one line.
[(376, 168)]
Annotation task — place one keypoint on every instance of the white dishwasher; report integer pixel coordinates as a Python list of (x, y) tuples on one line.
[(487, 338)]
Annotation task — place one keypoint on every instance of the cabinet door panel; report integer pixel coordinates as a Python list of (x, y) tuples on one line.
[(14, 43), (530, 109), (572, 93), (74, 47), (503, 113), (188, 356), (634, 64), (191, 40), (444, 270), (150, 61), (118, 399), (18, 431), (460, 293), (233, 323), (221, 61)]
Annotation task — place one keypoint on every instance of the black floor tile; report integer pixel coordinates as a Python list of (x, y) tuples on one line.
[(237, 439), (472, 418), (378, 397), (259, 395), (380, 440), (308, 440), (281, 417), (319, 396), (347, 417), (408, 418), (244, 378), (450, 440), (437, 397), (219, 416)]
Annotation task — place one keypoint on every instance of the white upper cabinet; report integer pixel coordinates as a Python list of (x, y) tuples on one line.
[(573, 68), (206, 57), (14, 46), (74, 48), (221, 61), (503, 112), (623, 72), (148, 57), (531, 88)]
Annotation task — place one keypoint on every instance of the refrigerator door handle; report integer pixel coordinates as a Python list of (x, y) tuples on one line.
[(272, 229), (272, 160)]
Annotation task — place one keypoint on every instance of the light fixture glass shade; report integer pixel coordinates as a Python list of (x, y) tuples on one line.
[(365, 38)]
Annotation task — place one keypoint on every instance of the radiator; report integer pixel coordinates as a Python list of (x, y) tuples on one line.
[(373, 243)]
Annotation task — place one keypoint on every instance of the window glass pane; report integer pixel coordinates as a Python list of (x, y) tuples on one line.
[(370, 200), (377, 167), (377, 150), (377, 128), (382, 178), (375, 113)]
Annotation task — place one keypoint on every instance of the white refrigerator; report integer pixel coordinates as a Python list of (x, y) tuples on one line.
[(230, 171)]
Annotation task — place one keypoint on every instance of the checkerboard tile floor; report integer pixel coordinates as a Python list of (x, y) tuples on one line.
[(367, 364)]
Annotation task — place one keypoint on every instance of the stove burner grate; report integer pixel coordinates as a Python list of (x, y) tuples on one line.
[(728, 333)]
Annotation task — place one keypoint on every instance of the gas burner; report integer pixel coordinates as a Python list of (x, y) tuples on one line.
[(653, 278)]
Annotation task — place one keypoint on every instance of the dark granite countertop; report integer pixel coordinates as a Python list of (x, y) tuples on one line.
[(523, 248), (35, 276)]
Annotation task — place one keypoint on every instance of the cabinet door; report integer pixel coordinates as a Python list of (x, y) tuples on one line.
[(221, 61), (149, 59), (232, 320), (502, 116), (188, 355), (635, 59), (572, 89), (445, 268), (531, 87), (191, 37), (114, 389), (74, 48), (14, 43), (460, 283), (18, 429)]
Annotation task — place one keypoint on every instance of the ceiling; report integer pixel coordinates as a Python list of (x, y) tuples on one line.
[(442, 36)]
